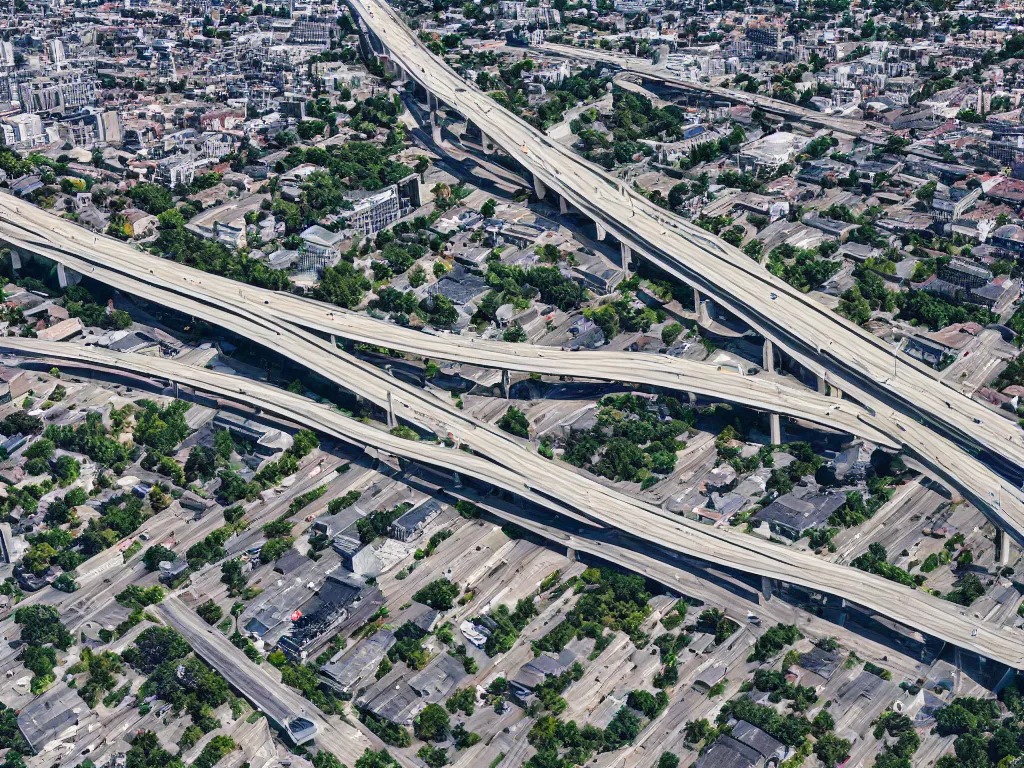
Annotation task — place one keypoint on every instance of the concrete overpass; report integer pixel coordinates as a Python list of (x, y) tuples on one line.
[(934, 420), (121, 266), (651, 71), (723, 547)]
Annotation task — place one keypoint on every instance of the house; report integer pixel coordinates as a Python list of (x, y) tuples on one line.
[(537, 670), (792, 516), (747, 746), (345, 674), (412, 524), (709, 678)]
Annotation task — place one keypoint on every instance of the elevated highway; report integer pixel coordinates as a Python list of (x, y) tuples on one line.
[(121, 266), (518, 476), (938, 424), (281, 321), (651, 71)]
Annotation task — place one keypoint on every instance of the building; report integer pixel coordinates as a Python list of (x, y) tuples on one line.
[(771, 151), (320, 249), (965, 274), (68, 91), (343, 601), (747, 746), (345, 674), (372, 211), (412, 524), (23, 130), (792, 516)]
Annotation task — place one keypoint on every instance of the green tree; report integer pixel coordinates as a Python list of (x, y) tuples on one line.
[(515, 422), (432, 724)]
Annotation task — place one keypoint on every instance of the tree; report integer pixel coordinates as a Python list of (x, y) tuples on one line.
[(515, 334), (670, 333), (439, 594), (201, 463), (152, 198), (40, 625), (515, 422), (210, 612), (156, 554), (432, 724), (831, 749), (154, 646), (678, 194), (488, 209)]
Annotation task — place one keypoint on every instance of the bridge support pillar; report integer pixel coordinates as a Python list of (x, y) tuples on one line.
[(431, 103), (563, 206), (15, 259), (822, 386), (776, 429), (835, 391), (768, 356), (334, 340), (1004, 547), (506, 383), (600, 231), (704, 312), (570, 552), (62, 276), (538, 188), (392, 423), (627, 257), (174, 390), (435, 127), (485, 143), (768, 587)]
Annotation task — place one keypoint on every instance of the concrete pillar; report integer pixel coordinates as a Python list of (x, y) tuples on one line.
[(392, 423), (835, 391), (485, 143), (506, 383), (627, 257), (538, 188), (704, 312), (15, 259), (822, 386), (776, 422), (431, 102), (1004, 547), (62, 276), (435, 128), (570, 552), (691, 398), (563, 206), (696, 301), (768, 356), (767, 588), (334, 340)]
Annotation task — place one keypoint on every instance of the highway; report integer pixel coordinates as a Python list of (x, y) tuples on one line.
[(250, 312), (935, 422), (279, 702), (648, 69), (128, 271), (556, 488)]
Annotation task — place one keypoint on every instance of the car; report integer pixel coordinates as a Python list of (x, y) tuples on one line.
[(774, 296), (755, 620)]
